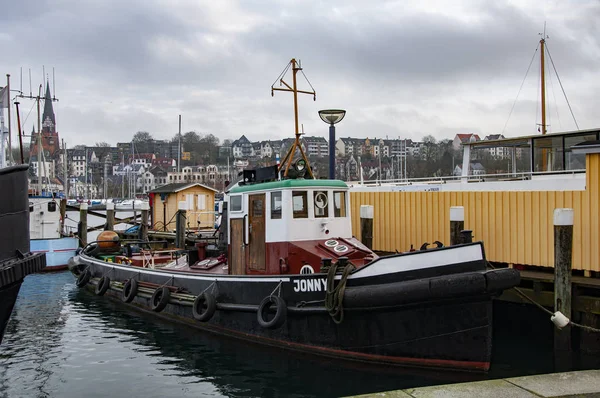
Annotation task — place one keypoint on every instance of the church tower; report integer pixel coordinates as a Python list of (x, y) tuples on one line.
[(50, 140)]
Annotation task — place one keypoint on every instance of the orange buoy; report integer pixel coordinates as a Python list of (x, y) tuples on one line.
[(108, 240)]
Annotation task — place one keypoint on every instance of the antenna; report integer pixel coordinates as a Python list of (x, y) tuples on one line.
[(43, 74), (53, 84), (21, 80), (30, 92)]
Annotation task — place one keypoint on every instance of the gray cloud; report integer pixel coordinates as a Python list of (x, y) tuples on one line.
[(399, 68)]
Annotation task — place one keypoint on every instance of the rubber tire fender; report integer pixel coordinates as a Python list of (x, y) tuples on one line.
[(102, 286), (204, 314), (160, 299), (130, 290), (280, 312), (83, 278)]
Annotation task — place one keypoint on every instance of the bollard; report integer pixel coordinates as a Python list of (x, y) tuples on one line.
[(110, 217), (563, 250), (144, 223), (83, 209), (457, 224), (180, 226), (366, 225)]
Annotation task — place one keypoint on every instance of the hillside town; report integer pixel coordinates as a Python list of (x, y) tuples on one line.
[(133, 168)]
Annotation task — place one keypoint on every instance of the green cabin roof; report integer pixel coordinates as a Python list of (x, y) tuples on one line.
[(289, 184)]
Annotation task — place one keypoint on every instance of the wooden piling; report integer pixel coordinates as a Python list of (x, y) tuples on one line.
[(563, 251), (144, 223), (366, 225), (457, 224), (180, 225), (83, 209), (110, 217), (63, 214)]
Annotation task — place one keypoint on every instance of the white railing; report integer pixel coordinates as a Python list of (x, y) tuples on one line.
[(469, 178)]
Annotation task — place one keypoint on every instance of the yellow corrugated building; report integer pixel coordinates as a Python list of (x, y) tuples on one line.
[(197, 199), (515, 226)]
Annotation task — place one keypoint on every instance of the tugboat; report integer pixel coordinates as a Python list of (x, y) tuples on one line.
[(289, 273)]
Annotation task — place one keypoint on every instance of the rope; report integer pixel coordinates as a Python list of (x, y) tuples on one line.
[(335, 295), (520, 88), (278, 289), (561, 86), (547, 311)]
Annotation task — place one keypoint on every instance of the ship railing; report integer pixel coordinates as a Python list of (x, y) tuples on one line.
[(511, 176)]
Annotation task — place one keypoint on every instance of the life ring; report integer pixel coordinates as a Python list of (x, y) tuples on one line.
[(204, 307), (102, 286), (160, 298), (129, 291), (280, 312), (83, 278)]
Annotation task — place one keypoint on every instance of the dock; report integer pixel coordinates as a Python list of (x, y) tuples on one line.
[(584, 383)]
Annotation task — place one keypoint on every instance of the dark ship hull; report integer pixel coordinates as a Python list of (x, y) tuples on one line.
[(425, 309), (15, 260)]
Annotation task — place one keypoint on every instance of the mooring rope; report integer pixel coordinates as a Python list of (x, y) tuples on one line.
[(546, 310), (334, 296)]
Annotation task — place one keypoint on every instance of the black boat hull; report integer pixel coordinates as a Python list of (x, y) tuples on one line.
[(442, 321), (15, 260)]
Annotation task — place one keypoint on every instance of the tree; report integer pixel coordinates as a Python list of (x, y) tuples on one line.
[(142, 136)]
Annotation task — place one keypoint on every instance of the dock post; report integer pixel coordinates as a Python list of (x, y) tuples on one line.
[(83, 209), (366, 225), (457, 224), (63, 214), (180, 224), (563, 250), (110, 217), (144, 224)]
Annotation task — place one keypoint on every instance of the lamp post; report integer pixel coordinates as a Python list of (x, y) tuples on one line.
[(332, 116)]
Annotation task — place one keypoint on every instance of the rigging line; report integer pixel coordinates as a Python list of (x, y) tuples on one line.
[(561, 87), (520, 88), (27, 117), (313, 89), (287, 67), (555, 102)]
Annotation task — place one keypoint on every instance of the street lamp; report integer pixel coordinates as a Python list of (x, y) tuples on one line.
[(331, 117)]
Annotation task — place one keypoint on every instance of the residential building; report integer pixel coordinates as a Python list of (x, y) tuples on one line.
[(460, 139)]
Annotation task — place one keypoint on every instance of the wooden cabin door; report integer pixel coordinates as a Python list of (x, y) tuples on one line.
[(256, 229), (238, 252)]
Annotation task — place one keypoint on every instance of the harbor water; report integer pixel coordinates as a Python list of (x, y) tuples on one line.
[(66, 342)]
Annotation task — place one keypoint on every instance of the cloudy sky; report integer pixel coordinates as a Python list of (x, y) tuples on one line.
[(399, 68)]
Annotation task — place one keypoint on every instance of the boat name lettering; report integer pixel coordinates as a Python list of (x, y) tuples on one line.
[(310, 285)]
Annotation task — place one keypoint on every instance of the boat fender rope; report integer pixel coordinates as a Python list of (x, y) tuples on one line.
[(278, 289), (555, 317), (334, 295)]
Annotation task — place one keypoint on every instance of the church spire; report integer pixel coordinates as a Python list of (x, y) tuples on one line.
[(48, 114)]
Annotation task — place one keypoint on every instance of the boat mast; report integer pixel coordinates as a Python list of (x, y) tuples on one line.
[(289, 157), (543, 81), (39, 141)]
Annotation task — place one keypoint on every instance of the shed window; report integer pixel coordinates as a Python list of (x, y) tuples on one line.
[(275, 205), (339, 207), (236, 203), (300, 203), (321, 204)]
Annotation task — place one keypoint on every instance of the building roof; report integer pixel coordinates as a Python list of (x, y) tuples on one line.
[(48, 110), (467, 137), (177, 187), (289, 184)]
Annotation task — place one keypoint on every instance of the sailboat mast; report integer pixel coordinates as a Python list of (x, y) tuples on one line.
[(39, 173), (543, 82)]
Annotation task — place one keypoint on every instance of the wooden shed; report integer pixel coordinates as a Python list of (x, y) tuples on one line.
[(197, 199)]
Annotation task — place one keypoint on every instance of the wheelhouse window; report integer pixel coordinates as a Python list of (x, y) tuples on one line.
[(300, 204), (275, 205), (321, 201), (339, 203), (236, 203)]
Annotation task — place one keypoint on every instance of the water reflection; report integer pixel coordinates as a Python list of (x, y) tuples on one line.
[(70, 343)]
